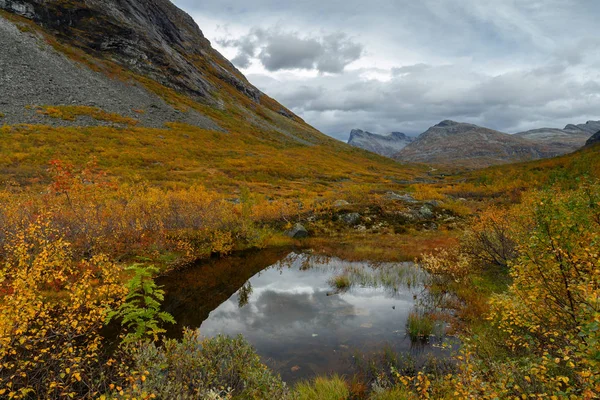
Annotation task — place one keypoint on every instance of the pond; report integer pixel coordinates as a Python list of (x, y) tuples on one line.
[(306, 315)]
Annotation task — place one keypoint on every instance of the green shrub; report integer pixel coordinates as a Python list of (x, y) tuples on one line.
[(195, 368)]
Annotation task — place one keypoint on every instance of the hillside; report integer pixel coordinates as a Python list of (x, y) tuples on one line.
[(460, 144), (156, 100), (595, 139), (147, 61), (385, 146), (562, 141)]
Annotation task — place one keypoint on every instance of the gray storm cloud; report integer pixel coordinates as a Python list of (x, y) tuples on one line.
[(278, 50), (404, 65)]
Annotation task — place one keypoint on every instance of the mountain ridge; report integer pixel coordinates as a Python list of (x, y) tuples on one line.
[(465, 144), (385, 145)]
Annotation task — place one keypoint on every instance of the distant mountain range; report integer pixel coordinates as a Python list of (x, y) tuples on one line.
[(384, 145), (462, 144)]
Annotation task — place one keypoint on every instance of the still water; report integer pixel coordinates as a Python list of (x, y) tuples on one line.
[(288, 307)]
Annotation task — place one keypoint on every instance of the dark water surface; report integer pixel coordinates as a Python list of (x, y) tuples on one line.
[(285, 305)]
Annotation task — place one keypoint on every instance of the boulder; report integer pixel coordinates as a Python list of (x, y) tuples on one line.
[(297, 232), (426, 212), (407, 198), (350, 218)]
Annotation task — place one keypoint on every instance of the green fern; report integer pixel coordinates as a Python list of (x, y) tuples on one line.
[(140, 312)]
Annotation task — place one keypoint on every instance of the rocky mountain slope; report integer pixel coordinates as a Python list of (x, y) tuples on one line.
[(562, 141), (383, 145), (145, 60), (595, 139), (460, 144)]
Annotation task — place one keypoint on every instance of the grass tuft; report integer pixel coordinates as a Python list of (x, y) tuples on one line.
[(419, 326), (334, 388)]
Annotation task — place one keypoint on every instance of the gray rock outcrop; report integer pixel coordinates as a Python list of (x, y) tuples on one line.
[(595, 139)]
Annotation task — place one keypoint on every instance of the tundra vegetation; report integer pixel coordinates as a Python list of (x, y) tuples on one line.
[(522, 271), (89, 215)]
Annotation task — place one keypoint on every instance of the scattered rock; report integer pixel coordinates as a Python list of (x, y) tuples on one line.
[(426, 212), (351, 218), (298, 232), (433, 203), (340, 203), (407, 198)]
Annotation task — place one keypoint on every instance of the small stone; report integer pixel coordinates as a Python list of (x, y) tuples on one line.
[(340, 203)]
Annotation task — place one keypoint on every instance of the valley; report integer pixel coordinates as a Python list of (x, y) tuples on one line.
[(168, 230)]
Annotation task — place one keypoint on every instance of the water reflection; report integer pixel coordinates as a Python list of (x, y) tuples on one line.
[(288, 310)]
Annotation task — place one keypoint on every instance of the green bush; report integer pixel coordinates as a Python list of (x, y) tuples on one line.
[(194, 368)]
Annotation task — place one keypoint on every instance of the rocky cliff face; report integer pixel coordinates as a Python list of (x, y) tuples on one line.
[(595, 139), (380, 144), (144, 59), (454, 143), (151, 37)]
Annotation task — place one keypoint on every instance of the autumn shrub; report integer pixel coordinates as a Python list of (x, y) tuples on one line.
[(427, 192), (71, 112), (98, 215), (52, 309), (490, 240), (551, 312), (199, 368)]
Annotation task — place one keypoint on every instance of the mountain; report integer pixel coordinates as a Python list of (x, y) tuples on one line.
[(461, 144), (143, 60), (595, 139), (590, 127), (380, 144), (562, 141), (135, 85)]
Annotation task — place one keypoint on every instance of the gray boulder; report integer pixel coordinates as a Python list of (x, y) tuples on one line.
[(350, 218), (426, 212), (297, 232)]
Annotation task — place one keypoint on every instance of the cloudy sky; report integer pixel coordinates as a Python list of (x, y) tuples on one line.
[(404, 65)]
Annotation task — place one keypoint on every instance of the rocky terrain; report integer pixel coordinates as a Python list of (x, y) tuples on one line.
[(595, 139), (383, 145), (146, 60), (562, 141), (460, 144), (470, 145)]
